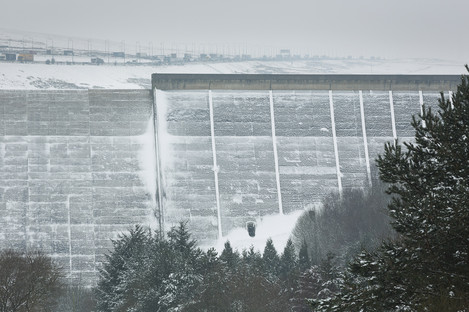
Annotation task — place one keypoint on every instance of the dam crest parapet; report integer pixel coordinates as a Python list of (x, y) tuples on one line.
[(304, 82)]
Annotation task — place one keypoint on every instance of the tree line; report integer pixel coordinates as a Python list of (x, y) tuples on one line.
[(148, 272)]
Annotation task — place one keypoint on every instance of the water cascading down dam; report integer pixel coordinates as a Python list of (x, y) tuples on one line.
[(80, 166)]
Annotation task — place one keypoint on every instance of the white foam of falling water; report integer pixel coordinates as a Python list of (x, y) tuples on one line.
[(147, 162), (278, 227)]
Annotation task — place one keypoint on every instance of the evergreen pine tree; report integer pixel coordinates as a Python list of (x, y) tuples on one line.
[(180, 239), (270, 259), (229, 257), (253, 260), (147, 272), (288, 269), (118, 277), (318, 284), (303, 259), (187, 268), (429, 179)]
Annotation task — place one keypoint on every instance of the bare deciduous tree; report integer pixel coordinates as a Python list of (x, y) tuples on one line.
[(28, 281)]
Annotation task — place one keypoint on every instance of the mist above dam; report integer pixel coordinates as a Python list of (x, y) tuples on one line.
[(398, 29)]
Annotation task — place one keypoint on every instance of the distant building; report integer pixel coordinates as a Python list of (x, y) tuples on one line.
[(26, 57), (10, 57), (214, 56), (285, 53), (68, 52), (97, 61), (118, 54)]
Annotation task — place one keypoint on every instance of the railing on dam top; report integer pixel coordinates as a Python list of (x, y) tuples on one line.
[(304, 82)]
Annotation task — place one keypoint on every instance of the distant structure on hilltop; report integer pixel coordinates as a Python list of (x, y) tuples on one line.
[(81, 51), (220, 151)]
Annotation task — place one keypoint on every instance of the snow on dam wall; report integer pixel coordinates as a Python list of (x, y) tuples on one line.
[(80, 166), (74, 172)]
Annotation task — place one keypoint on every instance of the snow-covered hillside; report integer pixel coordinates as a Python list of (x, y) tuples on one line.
[(42, 76)]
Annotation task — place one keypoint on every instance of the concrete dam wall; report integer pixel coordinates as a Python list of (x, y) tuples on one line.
[(80, 166), (236, 148), (73, 172)]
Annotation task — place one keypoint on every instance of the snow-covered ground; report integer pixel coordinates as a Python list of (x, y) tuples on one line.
[(277, 227), (42, 76)]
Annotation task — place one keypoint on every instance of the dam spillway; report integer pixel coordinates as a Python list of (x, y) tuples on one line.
[(81, 166)]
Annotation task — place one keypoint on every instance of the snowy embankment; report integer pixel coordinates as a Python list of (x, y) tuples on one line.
[(41, 76), (277, 227)]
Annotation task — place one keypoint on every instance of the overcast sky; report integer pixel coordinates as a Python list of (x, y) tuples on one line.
[(398, 28)]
